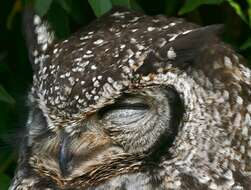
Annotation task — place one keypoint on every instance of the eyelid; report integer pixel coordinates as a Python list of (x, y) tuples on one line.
[(123, 105)]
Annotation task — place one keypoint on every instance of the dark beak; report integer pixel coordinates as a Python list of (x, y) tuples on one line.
[(65, 154)]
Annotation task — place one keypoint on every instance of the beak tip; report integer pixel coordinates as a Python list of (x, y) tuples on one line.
[(64, 156)]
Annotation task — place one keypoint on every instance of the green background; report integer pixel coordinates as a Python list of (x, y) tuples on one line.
[(66, 16)]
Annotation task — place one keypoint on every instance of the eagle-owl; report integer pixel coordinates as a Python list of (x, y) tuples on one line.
[(134, 102)]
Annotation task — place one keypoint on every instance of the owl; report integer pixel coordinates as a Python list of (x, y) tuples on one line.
[(135, 102)]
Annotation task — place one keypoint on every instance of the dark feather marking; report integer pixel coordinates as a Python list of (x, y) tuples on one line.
[(165, 141), (189, 182), (242, 180)]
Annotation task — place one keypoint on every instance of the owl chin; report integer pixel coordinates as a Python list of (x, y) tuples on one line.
[(136, 181)]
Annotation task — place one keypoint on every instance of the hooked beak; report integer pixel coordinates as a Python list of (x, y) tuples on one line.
[(74, 150), (65, 155)]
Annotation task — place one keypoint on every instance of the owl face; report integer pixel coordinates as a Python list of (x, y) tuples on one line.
[(133, 131), (136, 102)]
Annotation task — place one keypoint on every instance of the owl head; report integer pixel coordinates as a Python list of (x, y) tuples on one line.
[(135, 102)]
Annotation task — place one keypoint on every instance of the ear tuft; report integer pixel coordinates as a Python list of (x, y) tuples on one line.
[(187, 47), (38, 34)]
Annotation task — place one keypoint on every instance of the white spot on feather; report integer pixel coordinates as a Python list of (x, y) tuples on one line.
[(187, 31), (249, 108), (93, 67), (171, 54), (149, 29), (174, 36), (98, 42), (239, 100), (37, 20), (227, 62)]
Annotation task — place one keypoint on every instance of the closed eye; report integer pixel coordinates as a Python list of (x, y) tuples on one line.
[(135, 106), (125, 111)]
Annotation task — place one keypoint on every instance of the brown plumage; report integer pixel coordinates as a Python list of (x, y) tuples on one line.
[(136, 102)]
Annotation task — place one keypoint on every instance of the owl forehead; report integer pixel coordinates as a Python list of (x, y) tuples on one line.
[(95, 65)]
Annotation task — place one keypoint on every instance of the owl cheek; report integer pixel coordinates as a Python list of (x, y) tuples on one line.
[(77, 153)]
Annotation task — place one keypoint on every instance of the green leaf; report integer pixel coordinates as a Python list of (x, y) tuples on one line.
[(130, 4), (5, 97), (171, 7), (61, 26), (15, 9), (74, 9), (3, 55), (4, 181), (246, 44), (249, 12), (191, 5), (66, 5), (124, 3), (238, 10), (42, 6), (100, 7), (5, 119)]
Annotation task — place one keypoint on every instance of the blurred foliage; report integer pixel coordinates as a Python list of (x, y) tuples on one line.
[(66, 16)]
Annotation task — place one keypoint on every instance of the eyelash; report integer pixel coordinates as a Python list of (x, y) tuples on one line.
[(136, 106)]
